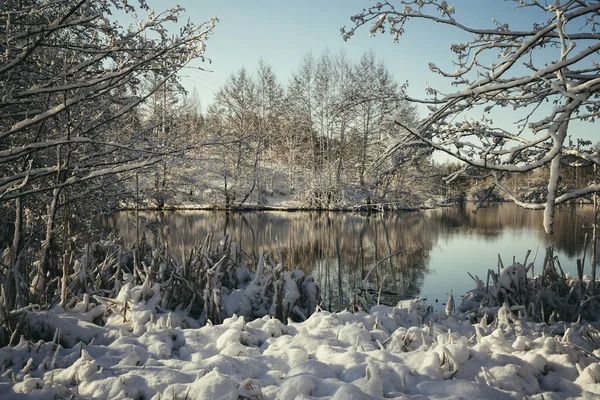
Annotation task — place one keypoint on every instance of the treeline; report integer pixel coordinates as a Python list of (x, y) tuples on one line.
[(318, 140)]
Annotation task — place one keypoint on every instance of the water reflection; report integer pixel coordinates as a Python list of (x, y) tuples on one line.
[(419, 253)]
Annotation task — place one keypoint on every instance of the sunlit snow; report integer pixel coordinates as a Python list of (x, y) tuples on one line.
[(390, 352)]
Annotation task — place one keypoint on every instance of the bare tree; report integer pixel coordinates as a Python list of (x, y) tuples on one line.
[(233, 120), (69, 91), (299, 129), (376, 97), (504, 67), (270, 102), (323, 118), (343, 118)]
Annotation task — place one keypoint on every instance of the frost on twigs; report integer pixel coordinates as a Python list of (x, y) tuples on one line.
[(71, 79), (503, 67), (64, 60)]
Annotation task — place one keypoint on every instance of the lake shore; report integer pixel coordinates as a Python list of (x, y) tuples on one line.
[(281, 207), (286, 202)]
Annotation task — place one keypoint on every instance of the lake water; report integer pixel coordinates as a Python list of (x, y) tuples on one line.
[(419, 254)]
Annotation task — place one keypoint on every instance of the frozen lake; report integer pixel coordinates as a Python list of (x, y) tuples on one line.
[(423, 253)]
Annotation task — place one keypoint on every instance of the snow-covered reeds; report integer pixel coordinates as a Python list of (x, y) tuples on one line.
[(549, 296), (207, 284), (127, 345)]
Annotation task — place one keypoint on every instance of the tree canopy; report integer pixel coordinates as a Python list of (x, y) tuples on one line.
[(70, 79), (547, 74)]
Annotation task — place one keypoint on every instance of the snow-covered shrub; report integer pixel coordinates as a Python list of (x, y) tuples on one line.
[(276, 292)]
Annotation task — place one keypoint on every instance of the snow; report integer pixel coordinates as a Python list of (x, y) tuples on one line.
[(389, 352), (513, 277)]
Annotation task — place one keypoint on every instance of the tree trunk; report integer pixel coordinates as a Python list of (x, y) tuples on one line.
[(38, 286), (11, 296)]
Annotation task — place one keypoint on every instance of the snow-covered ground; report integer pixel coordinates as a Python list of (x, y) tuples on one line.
[(390, 352)]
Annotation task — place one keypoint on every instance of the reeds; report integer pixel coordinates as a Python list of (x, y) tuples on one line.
[(193, 282), (546, 297)]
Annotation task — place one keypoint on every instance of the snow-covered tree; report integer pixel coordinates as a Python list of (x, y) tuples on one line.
[(547, 74), (270, 101), (69, 93), (376, 98), (233, 120), (335, 125), (299, 128)]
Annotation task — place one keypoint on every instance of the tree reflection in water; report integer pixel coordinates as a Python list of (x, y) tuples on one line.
[(339, 249)]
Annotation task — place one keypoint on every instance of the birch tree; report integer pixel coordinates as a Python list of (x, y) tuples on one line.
[(299, 131), (376, 97), (297, 135), (548, 75), (323, 101)]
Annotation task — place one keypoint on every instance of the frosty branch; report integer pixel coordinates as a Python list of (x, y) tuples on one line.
[(500, 69), (72, 83), (72, 88)]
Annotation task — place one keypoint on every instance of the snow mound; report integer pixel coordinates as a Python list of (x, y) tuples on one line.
[(388, 352)]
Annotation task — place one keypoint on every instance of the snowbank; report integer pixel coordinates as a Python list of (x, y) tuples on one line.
[(390, 352)]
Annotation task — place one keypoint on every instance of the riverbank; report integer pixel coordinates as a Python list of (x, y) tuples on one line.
[(282, 207), (390, 352), (288, 208), (286, 202)]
